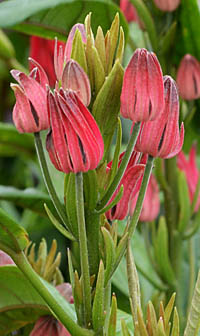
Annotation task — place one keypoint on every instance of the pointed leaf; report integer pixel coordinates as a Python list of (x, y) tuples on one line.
[(98, 304), (175, 328), (110, 253), (125, 331), (113, 317), (58, 226), (162, 253)]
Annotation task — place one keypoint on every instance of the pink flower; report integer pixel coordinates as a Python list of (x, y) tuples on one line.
[(142, 96), (30, 111), (161, 137), (42, 51), (167, 5), (74, 142), (188, 78), (5, 259), (151, 205), (131, 182), (75, 79), (129, 11), (48, 325), (63, 54), (189, 167)]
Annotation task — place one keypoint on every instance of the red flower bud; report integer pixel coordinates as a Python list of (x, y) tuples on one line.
[(188, 78), (74, 142), (167, 5), (161, 137), (129, 10), (151, 205), (75, 79), (68, 46), (142, 96), (30, 111), (42, 51), (131, 182), (189, 167)]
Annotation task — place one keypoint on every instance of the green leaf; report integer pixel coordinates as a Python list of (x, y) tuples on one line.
[(12, 143), (190, 18), (115, 161), (56, 17), (29, 198), (12, 235), (162, 253), (98, 304), (20, 303), (109, 96), (184, 202), (113, 317), (127, 319), (58, 226), (110, 253)]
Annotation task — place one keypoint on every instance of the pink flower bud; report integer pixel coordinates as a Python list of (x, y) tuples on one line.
[(142, 96), (48, 325), (131, 182), (5, 259), (30, 111), (75, 79), (151, 205), (74, 142), (129, 10), (188, 78), (68, 46), (189, 167), (161, 137), (42, 51), (167, 5)]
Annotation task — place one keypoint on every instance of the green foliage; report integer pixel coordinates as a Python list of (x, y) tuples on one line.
[(51, 18)]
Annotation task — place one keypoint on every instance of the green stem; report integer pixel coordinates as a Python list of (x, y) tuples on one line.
[(93, 230), (138, 208), (122, 167), (48, 182), (21, 261), (83, 249)]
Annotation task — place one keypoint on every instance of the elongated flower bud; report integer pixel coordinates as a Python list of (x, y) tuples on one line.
[(68, 46), (188, 78), (161, 137), (74, 143), (75, 79), (30, 111), (151, 205), (190, 168), (167, 5), (142, 96), (131, 182)]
